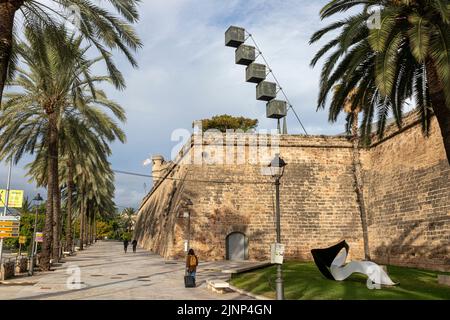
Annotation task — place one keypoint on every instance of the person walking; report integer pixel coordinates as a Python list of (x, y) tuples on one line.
[(125, 245), (191, 268), (134, 243)]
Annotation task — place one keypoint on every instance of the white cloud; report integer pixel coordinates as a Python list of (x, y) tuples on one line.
[(186, 73)]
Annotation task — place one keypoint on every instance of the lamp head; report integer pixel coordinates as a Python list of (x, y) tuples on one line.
[(38, 197), (277, 166)]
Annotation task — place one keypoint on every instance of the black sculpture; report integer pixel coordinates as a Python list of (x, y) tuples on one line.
[(324, 257), (331, 263)]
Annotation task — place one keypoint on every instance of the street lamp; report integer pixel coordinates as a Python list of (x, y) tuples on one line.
[(187, 214), (37, 199), (276, 167)]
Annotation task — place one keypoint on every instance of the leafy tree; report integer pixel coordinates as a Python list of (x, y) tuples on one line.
[(224, 122), (104, 229), (407, 56)]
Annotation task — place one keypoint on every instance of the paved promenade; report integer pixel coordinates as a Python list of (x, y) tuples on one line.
[(106, 272)]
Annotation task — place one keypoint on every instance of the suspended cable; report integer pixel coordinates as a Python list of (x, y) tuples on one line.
[(276, 80), (191, 180)]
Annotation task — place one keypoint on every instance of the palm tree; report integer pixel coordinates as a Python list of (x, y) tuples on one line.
[(407, 56), (128, 215), (98, 25), (85, 150), (96, 189), (84, 138), (353, 111), (26, 207), (58, 78)]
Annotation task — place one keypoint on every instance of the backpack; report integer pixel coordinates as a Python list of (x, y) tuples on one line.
[(192, 262)]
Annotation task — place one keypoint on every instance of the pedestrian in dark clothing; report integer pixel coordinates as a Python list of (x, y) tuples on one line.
[(125, 245), (191, 264), (134, 243)]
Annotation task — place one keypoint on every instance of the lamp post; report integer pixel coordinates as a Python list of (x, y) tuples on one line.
[(277, 169), (37, 199), (187, 214)]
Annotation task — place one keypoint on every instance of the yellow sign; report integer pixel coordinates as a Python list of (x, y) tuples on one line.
[(22, 239), (9, 229), (39, 237), (8, 234), (15, 198), (6, 224)]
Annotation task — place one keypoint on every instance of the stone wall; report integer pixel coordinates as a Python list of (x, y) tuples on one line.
[(406, 185), (318, 202), (407, 180)]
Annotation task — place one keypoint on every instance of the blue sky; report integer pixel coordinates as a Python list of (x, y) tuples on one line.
[(186, 73)]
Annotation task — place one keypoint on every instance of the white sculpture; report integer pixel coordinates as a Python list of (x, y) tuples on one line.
[(331, 263), (375, 273)]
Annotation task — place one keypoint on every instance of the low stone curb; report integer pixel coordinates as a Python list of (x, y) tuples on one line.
[(255, 296), (15, 283)]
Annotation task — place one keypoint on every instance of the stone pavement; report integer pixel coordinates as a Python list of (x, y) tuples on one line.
[(106, 272)]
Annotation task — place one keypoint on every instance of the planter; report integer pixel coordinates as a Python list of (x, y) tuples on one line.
[(266, 91), (21, 265), (255, 73), (245, 55), (276, 109), (234, 36), (7, 270)]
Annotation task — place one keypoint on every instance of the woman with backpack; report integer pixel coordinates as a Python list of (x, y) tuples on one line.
[(191, 267)]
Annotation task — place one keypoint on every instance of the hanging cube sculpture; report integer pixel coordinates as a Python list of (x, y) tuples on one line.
[(255, 73), (234, 36), (266, 91), (276, 109), (245, 54)]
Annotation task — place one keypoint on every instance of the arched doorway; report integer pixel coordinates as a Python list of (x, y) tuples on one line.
[(237, 246)]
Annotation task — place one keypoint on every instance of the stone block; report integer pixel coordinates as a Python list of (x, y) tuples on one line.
[(255, 73), (234, 36), (245, 54), (218, 286), (7, 270), (276, 109), (21, 265), (266, 91)]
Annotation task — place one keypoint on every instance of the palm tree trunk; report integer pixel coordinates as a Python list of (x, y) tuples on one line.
[(56, 200), (359, 185), (85, 223), (48, 229), (95, 228), (90, 227), (440, 108), (82, 223), (69, 237), (8, 10)]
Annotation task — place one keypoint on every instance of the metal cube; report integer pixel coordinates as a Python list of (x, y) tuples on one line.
[(276, 109), (234, 36), (266, 91), (255, 73), (245, 54)]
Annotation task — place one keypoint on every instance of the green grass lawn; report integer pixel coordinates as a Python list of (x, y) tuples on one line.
[(302, 280)]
